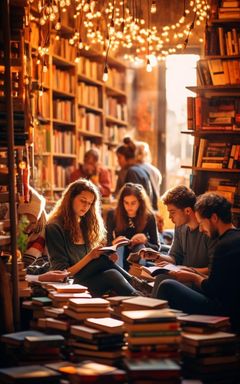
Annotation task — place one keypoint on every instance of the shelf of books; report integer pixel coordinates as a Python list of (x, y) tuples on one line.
[(74, 110), (214, 112)]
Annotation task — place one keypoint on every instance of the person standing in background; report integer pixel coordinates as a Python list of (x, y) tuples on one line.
[(92, 170), (131, 171), (143, 157)]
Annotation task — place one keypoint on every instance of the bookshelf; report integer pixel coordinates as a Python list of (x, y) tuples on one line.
[(76, 111), (214, 111)]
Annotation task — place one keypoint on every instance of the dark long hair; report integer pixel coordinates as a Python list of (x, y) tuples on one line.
[(91, 224), (143, 212)]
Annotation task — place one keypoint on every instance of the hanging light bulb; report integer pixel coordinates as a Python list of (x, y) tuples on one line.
[(105, 73), (77, 59), (149, 67), (80, 44), (153, 6)]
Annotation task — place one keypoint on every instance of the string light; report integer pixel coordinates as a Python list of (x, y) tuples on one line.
[(123, 23)]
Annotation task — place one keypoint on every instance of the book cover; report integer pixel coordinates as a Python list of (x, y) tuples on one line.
[(113, 248), (107, 324), (154, 271)]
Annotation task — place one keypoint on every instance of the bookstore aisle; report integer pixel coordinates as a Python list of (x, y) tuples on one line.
[(60, 97)]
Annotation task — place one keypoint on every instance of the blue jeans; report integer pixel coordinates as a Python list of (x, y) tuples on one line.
[(181, 297)]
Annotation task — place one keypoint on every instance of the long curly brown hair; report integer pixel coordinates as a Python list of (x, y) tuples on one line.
[(91, 224), (143, 212)]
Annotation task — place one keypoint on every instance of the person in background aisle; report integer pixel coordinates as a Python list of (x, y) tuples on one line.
[(92, 170), (190, 248), (132, 219), (143, 157), (74, 233), (36, 251), (131, 171), (220, 292)]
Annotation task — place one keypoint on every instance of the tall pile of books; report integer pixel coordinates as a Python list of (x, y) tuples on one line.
[(209, 354), (152, 333)]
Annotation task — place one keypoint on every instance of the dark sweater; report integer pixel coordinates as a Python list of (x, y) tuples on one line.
[(150, 230), (223, 283), (63, 252)]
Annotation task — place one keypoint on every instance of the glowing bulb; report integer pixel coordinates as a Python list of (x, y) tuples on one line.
[(149, 67), (105, 73), (45, 68), (153, 7)]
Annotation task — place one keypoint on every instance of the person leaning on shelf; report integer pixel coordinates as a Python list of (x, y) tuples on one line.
[(74, 233), (219, 293), (132, 219), (190, 247), (92, 170)]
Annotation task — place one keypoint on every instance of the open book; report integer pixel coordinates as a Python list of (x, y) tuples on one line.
[(154, 271), (113, 248)]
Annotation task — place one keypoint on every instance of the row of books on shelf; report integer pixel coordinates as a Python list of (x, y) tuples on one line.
[(64, 142), (108, 156), (218, 72), (227, 12), (90, 122), (218, 155), (64, 110), (90, 68), (40, 104), (116, 79), (42, 173), (223, 41), (229, 188), (61, 175), (37, 72), (116, 109), (88, 94), (42, 138), (114, 133), (63, 80), (222, 113), (62, 48)]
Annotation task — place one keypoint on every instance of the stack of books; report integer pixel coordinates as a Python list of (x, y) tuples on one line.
[(204, 323), (211, 357), (152, 333), (80, 309), (100, 339), (32, 346)]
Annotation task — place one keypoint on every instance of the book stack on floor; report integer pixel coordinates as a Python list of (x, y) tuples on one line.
[(100, 339), (204, 323), (88, 371), (31, 346), (116, 304), (152, 333), (80, 309), (211, 357), (152, 371)]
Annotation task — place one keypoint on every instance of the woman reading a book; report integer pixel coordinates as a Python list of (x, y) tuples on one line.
[(74, 234), (133, 219)]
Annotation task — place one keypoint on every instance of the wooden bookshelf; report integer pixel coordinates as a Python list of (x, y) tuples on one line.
[(214, 114), (77, 110)]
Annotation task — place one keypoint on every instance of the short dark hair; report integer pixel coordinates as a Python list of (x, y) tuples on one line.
[(127, 149), (91, 153), (180, 196), (210, 203)]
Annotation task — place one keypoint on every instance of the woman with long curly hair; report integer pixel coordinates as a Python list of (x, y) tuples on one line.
[(132, 219), (74, 234)]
